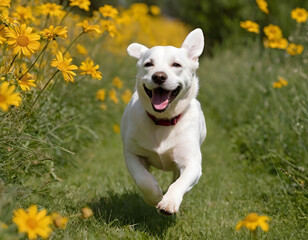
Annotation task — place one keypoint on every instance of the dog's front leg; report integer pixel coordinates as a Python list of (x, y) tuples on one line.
[(147, 184), (190, 172)]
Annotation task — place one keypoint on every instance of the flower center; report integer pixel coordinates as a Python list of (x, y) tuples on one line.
[(300, 13), (31, 223), (273, 31), (23, 41), (253, 217), (62, 66)]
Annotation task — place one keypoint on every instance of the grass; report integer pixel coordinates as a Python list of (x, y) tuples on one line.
[(241, 161)]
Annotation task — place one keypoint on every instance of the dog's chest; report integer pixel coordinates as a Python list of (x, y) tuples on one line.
[(157, 148)]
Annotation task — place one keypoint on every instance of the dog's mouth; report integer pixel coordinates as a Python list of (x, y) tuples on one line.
[(161, 98)]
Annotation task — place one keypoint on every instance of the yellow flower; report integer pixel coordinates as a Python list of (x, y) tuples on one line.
[(274, 37), (277, 85), (280, 83), (101, 94), (86, 212), (113, 96), (108, 11), (51, 9), (33, 222), (280, 43), (116, 81), (87, 67), (8, 96), (23, 13), (52, 32), (252, 221), (89, 28), (63, 64), (294, 49), (273, 31), (58, 220), (82, 4), (116, 128), (81, 49), (109, 26), (283, 81), (126, 96), (262, 4), (155, 10), (6, 19), (250, 26), (299, 14), (22, 40), (26, 82), (5, 3)]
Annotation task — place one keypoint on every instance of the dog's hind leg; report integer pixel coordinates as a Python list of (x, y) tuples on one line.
[(146, 182)]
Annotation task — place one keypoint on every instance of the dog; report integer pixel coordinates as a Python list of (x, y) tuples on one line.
[(163, 125)]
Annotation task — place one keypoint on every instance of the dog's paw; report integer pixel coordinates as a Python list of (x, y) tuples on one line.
[(168, 206), (164, 213)]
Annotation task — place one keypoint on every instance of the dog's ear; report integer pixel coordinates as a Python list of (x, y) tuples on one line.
[(194, 44), (135, 50)]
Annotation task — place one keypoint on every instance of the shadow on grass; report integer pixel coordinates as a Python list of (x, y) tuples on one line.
[(130, 209)]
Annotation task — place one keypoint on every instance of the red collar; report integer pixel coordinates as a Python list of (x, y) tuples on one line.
[(165, 122)]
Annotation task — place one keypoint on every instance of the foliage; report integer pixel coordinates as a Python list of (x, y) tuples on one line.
[(279, 118), (219, 19), (264, 110)]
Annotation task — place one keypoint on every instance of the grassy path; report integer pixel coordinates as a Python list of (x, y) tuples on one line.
[(226, 193)]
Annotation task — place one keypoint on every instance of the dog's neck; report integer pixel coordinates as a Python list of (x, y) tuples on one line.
[(165, 122)]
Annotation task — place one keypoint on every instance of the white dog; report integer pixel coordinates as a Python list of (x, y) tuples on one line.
[(163, 125)]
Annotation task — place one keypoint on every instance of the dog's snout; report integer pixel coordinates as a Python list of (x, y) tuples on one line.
[(159, 77)]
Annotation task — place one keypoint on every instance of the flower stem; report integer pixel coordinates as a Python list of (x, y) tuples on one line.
[(73, 42), (47, 18), (12, 62), (35, 60), (66, 14), (44, 88)]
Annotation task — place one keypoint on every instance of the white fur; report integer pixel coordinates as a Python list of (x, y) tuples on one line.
[(169, 148)]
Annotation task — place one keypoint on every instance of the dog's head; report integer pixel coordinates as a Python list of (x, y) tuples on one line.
[(166, 79)]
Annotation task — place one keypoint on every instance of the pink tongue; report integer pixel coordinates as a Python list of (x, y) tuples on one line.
[(160, 98)]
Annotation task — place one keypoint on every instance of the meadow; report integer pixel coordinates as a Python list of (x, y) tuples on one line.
[(64, 82)]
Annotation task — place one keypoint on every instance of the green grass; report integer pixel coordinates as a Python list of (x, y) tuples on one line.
[(239, 176)]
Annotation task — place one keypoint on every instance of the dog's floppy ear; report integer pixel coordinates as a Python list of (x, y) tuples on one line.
[(135, 50), (194, 43)]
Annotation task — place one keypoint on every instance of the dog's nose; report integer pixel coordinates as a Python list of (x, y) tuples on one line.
[(159, 77)]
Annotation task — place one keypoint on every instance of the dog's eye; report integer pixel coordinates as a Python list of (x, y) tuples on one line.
[(149, 64), (177, 65)]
